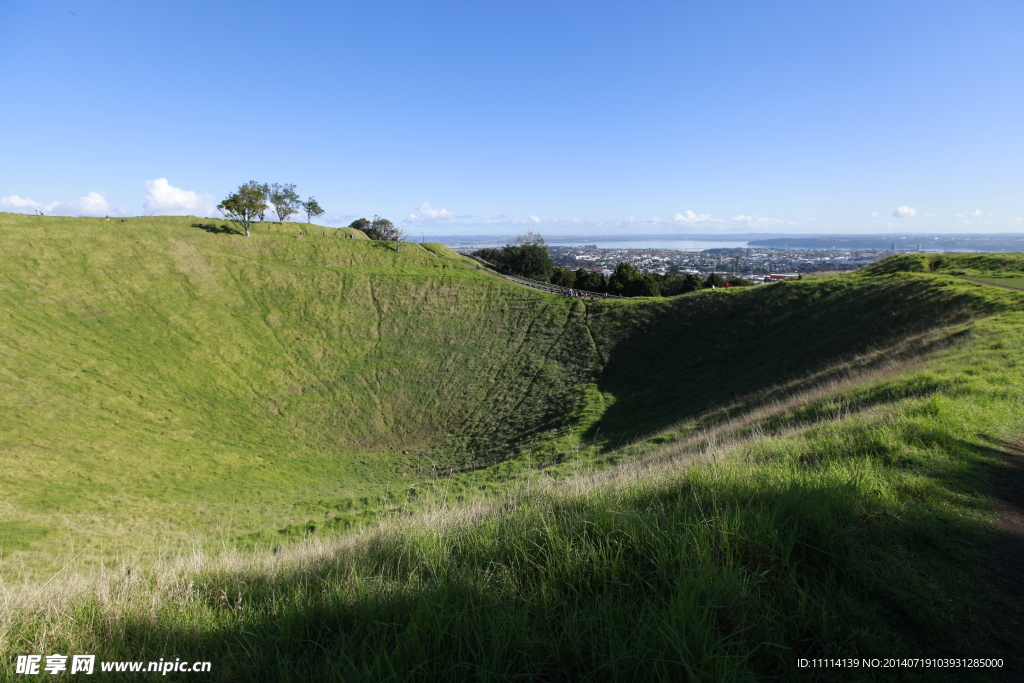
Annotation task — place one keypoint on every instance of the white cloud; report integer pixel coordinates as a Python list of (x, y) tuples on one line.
[(873, 214), (17, 204), (428, 214), (904, 212), (163, 199), (92, 204), (758, 220), (691, 217), (534, 219)]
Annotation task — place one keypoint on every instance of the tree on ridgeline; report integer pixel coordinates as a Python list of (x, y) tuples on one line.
[(563, 277), (670, 284), (380, 229), (377, 229), (530, 239), (622, 279), (527, 257), (285, 200), (714, 280), (673, 284), (691, 283), (265, 189), (530, 260), (491, 255), (590, 281), (312, 209), (397, 235), (245, 205), (649, 284), (628, 281), (361, 224)]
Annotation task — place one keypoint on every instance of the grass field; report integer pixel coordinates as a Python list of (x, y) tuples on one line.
[(707, 487), (164, 382)]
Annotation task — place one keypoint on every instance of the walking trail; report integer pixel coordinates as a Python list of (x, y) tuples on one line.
[(992, 284)]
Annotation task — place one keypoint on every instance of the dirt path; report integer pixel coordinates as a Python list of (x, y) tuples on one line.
[(531, 284), (991, 284)]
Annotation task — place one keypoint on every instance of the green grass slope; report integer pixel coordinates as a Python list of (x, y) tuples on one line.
[(162, 381), (167, 379), (708, 487), (816, 481)]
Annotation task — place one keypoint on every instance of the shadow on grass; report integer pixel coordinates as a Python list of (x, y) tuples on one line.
[(387, 245), (715, 579), (699, 351), (222, 229), (1008, 574)]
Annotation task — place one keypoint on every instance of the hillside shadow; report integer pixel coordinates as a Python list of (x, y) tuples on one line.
[(1008, 572), (555, 627), (222, 229), (386, 245), (696, 352)]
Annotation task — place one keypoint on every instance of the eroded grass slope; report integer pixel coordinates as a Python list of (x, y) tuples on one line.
[(849, 522), (160, 380)]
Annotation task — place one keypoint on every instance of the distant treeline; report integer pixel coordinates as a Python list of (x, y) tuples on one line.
[(528, 257), (526, 260), (628, 281), (532, 261)]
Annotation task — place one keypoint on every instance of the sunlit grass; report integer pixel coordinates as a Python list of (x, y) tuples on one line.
[(833, 532), (204, 442)]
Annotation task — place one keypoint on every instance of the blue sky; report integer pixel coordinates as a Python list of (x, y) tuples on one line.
[(483, 117)]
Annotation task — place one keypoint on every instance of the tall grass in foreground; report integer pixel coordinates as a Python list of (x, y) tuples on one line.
[(859, 533)]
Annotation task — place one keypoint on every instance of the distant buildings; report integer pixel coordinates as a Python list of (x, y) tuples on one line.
[(754, 264), (757, 264)]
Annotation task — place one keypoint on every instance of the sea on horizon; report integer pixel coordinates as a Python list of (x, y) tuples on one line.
[(676, 245)]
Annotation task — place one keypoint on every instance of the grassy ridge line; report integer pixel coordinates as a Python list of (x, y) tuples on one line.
[(161, 381), (854, 524), (1000, 265)]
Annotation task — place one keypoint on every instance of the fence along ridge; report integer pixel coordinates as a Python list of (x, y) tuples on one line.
[(546, 286)]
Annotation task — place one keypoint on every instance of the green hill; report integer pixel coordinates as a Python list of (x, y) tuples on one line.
[(162, 380), (709, 486)]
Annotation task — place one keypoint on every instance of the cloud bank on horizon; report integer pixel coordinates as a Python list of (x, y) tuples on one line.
[(92, 204), (164, 199)]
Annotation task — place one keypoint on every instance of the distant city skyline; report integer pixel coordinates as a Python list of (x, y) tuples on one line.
[(569, 118)]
